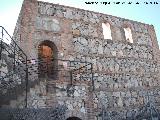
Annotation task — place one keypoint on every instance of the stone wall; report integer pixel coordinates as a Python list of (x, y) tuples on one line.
[(124, 72)]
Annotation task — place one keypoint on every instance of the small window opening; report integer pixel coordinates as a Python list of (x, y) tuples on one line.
[(106, 31), (128, 34)]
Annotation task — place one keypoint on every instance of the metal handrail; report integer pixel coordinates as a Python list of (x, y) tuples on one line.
[(12, 39), (72, 68), (14, 49), (15, 52)]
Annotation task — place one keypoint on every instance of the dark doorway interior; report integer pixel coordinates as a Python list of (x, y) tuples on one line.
[(47, 55), (73, 118)]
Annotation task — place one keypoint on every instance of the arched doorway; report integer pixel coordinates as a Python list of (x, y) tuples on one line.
[(73, 118), (47, 56)]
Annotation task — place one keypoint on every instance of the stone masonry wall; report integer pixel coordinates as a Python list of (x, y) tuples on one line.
[(124, 72)]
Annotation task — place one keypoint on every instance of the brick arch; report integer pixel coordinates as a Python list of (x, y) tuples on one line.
[(47, 57), (51, 45)]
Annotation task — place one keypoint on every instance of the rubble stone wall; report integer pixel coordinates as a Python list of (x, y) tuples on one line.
[(124, 72)]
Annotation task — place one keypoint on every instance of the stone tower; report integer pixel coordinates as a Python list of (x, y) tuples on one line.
[(117, 72)]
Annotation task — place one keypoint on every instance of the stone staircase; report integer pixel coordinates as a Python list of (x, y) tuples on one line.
[(13, 68), (19, 76)]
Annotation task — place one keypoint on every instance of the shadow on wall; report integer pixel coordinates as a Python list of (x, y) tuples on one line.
[(73, 118)]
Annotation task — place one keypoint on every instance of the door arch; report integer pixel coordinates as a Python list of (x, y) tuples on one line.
[(47, 59), (73, 118)]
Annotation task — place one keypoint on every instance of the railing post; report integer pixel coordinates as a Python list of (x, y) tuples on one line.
[(14, 53), (92, 76), (1, 45), (71, 77), (26, 84)]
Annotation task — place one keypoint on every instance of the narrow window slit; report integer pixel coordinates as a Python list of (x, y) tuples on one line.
[(128, 34), (106, 31)]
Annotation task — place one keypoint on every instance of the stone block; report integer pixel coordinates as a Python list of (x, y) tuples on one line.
[(47, 24), (76, 32)]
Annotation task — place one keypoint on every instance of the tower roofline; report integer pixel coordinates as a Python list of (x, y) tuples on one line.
[(66, 6)]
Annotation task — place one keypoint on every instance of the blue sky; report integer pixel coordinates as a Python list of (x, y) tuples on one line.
[(145, 13)]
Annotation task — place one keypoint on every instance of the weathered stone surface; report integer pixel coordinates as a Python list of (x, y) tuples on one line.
[(123, 72), (47, 24)]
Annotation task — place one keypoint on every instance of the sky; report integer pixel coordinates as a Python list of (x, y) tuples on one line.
[(142, 12)]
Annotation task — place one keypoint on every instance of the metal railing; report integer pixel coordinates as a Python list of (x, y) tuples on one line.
[(23, 74), (56, 113), (16, 60), (60, 69)]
